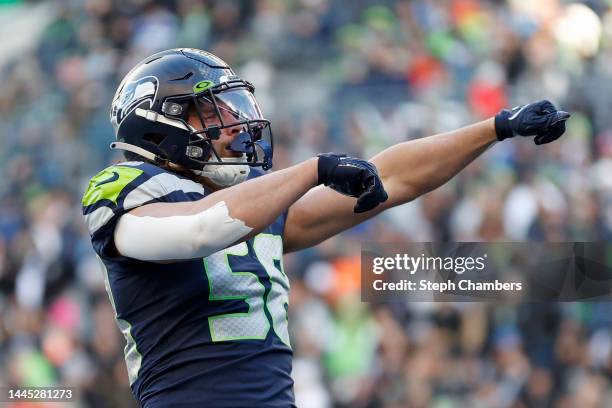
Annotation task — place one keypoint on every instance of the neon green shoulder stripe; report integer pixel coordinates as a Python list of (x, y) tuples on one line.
[(108, 184)]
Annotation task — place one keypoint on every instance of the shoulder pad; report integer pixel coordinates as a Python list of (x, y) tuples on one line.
[(122, 187), (109, 183)]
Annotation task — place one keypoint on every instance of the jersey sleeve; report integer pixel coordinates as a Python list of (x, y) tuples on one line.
[(120, 188)]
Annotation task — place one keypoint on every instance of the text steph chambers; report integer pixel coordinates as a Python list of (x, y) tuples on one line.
[(463, 285)]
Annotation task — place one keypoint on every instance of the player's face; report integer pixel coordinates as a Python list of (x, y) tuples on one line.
[(210, 117)]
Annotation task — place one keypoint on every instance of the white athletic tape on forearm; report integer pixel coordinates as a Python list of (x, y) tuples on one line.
[(178, 237)]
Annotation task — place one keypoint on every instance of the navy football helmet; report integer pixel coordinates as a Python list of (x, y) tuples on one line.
[(151, 106)]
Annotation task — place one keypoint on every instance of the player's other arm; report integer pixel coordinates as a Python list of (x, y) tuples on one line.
[(413, 168), (407, 171)]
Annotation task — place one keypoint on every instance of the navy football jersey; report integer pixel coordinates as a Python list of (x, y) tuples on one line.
[(207, 332)]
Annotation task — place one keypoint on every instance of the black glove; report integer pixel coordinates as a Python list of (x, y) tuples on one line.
[(352, 177), (540, 119)]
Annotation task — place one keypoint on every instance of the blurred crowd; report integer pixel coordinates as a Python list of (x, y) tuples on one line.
[(347, 76)]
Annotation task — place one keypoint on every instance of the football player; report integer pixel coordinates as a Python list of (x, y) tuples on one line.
[(190, 230)]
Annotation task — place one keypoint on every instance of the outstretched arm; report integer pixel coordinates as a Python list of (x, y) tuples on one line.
[(197, 229), (408, 170), (168, 232), (413, 168)]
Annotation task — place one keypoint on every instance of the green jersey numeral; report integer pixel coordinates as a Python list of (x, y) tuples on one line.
[(227, 284)]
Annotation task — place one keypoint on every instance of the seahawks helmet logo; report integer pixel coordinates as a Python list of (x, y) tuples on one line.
[(131, 95)]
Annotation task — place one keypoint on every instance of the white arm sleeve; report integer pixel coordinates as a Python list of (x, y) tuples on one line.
[(178, 237)]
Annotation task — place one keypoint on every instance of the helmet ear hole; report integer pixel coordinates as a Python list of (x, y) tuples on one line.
[(155, 138)]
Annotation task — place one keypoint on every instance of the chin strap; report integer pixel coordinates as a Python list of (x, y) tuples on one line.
[(215, 172), (139, 151)]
